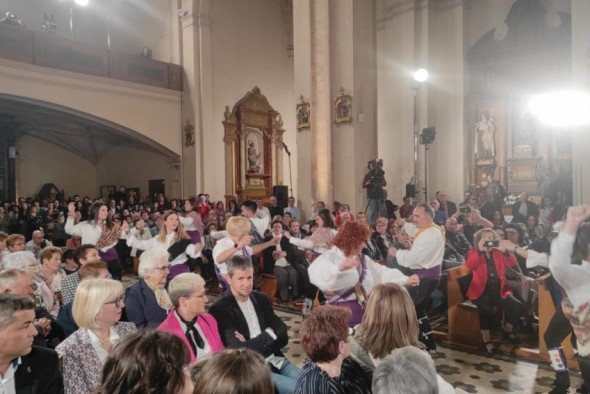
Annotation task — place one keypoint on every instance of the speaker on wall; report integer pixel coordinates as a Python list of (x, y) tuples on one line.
[(410, 190), (281, 192)]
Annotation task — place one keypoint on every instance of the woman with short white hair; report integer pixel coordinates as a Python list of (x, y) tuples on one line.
[(24, 261), (188, 320), (147, 301), (97, 308)]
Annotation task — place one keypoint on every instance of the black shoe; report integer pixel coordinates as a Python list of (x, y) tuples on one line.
[(559, 389)]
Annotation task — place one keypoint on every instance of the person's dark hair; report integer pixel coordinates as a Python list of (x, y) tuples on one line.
[(580, 250), (238, 263), (326, 216), (82, 251), (514, 226), (69, 254), (232, 371), (250, 205), (323, 330), (11, 303), (93, 217), (146, 362)]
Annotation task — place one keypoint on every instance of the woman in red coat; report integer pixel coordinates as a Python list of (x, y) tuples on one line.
[(489, 263)]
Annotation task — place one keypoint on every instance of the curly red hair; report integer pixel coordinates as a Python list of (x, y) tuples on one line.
[(351, 235)]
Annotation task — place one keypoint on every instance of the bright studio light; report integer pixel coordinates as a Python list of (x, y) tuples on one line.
[(562, 109), (82, 2), (420, 75)]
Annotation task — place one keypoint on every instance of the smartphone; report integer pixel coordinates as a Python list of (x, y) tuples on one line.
[(464, 210), (494, 243)]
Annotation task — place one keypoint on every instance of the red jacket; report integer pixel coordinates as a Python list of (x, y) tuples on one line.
[(476, 262)]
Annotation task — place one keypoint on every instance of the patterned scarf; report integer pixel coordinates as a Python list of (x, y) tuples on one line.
[(108, 236), (161, 294)]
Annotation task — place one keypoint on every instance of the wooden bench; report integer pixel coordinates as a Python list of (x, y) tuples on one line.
[(463, 318), (269, 284)]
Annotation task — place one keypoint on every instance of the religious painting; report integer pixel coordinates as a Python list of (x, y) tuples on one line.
[(343, 108), (302, 109)]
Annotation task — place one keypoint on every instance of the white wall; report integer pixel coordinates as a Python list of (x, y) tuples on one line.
[(249, 48)]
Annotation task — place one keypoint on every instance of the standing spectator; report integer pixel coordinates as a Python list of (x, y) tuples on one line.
[(448, 207), (405, 211), (292, 209), (523, 208), (274, 208), (203, 208)]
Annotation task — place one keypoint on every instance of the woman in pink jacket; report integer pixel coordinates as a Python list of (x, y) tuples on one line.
[(188, 320)]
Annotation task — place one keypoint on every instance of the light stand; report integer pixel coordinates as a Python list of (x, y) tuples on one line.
[(419, 76), (426, 139), (290, 174)]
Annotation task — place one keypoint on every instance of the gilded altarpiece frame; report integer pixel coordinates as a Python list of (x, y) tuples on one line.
[(253, 136)]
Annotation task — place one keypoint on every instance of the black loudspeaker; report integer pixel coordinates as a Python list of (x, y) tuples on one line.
[(410, 190), (281, 192)]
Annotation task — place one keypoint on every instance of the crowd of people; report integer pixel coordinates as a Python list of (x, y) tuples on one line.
[(367, 286)]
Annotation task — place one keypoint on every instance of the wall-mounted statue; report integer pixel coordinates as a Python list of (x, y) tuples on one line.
[(253, 158), (485, 137)]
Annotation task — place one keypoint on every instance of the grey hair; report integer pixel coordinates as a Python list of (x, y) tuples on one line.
[(238, 263), (19, 260), (8, 278), (184, 285), (9, 304), (407, 370), (427, 209), (148, 260)]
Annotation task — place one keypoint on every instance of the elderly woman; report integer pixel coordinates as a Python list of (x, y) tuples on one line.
[(98, 231), (172, 238), (188, 320), (329, 369), (48, 278), (147, 362), (236, 243), (389, 323), (234, 370), (97, 308), (24, 261), (346, 276), (489, 262), (147, 301)]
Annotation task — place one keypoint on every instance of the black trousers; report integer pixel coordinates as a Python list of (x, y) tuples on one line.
[(485, 307), (421, 297), (558, 329)]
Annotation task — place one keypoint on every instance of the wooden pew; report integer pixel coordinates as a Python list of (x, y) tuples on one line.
[(269, 284), (463, 319)]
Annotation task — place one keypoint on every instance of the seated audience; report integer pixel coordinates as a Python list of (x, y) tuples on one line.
[(84, 254), (232, 371), (329, 368), (14, 243), (389, 323), (188, 320), (278, 261), (68, 262), (488, 285), (246, 319), (345, 275), (97, 308), (523, 208), (24, 261), (407, 370), (147, 301), (37, 370), (37, 243), (48, 278), (147, 362), (535, 230), (456, 246), (440, 217)]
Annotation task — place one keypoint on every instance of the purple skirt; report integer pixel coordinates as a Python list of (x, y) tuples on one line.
[(195, 236), (355, 308), (177, 270)]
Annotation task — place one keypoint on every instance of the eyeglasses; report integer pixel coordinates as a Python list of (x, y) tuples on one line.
[(196, 295), (163, 268), (118, 302)]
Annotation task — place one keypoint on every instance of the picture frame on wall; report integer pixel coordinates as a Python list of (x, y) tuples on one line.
[(106, 192), (303, 114), (343, 109)]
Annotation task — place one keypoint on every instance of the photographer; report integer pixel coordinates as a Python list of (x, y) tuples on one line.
[(374, 181), (488, 263)]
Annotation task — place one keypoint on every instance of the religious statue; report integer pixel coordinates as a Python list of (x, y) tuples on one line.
[(253, 157), (485, 137), (189, 134)]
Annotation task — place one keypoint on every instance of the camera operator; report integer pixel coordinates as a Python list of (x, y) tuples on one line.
[(374, 181)]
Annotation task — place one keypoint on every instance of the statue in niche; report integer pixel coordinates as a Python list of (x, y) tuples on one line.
[(525, 135), (253, 158), (485, 137)]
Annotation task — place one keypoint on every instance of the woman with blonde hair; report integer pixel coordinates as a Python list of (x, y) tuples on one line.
[(173, 239), (231, 371), (389, 323), (97, 308)]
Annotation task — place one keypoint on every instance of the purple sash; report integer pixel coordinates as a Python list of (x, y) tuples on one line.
[(362, 273)]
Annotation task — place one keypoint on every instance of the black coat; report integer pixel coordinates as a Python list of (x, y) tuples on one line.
[(39, 373), (230, 319)]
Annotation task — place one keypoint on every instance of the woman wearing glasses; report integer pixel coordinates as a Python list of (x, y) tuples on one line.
[(147, 301), (97, 308), (188, 320)]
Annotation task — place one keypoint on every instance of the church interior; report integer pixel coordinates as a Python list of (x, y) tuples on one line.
[(254, 99)]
